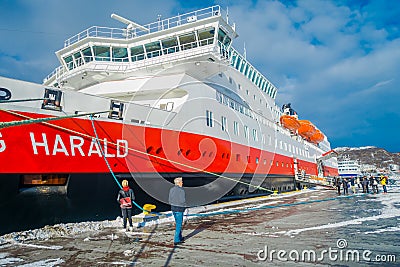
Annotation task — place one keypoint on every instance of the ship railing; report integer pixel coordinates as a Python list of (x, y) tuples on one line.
[(160, 25)]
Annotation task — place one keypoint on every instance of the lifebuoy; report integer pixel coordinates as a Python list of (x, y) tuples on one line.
[(5, 94)]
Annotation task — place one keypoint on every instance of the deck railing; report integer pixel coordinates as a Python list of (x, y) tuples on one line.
[(118, 33)]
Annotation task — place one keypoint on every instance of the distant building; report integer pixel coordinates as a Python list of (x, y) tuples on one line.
[(367, 168), (394, 167), (348, 167)]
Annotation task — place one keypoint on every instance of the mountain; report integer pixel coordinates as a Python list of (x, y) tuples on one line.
[(370, 155)]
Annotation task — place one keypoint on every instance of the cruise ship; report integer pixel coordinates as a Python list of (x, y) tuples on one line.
[(348, 167), (151, 102)]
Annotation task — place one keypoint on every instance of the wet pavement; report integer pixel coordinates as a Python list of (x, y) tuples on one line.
[(241, 233)]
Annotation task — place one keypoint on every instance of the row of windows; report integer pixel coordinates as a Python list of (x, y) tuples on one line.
[(255, 135), (153, 49), (243, 66)]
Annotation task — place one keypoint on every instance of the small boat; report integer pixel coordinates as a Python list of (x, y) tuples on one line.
[(306, 129), (317, 137), (290, 122)]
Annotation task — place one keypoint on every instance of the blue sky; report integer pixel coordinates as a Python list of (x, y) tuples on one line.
[(337, 62)]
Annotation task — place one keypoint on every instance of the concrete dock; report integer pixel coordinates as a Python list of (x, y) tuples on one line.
[(238, 233)]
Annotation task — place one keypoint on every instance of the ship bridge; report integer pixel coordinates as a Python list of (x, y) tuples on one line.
[(100, 54)]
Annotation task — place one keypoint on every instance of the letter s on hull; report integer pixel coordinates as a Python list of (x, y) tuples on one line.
[(2, 144)]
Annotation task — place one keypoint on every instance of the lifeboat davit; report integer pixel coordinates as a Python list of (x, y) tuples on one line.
[(290, 122), (306, 129), (317, 137)]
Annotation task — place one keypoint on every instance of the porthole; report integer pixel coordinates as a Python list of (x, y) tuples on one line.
[(5, 94)]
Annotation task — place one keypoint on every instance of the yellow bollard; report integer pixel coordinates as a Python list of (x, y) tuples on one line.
[(275, 192), (305, 187), (147, 208)]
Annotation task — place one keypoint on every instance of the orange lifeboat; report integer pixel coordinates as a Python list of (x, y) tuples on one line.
[(317, 137), (306, 129), (290, 122)]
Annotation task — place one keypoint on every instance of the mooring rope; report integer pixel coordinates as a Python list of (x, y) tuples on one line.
[(23, 100), (31, 120), (107, 163)]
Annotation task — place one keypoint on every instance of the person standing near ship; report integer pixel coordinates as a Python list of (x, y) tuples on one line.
[(177, 200), (353, 185), (383, 181), (345, 187), (125, 198), (365, 184), (338, 184)]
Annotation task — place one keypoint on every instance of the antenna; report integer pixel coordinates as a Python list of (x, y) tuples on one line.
[(244, 50), (227, 15), (131, 25)]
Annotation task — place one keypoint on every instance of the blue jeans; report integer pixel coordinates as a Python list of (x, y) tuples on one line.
[(178, 226)]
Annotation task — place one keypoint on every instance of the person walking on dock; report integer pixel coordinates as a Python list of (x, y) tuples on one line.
[(125, 198), (177, 200)]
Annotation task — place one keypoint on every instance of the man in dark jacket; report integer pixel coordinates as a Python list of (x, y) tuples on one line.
[(125, 198), (177, 200)]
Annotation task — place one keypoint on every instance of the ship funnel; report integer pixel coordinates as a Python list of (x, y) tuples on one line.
[(131, 24)]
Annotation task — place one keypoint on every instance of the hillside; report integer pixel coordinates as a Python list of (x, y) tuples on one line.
[(378, 157)]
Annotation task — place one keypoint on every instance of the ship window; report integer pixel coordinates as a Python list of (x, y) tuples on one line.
[(244, 63), (78, 59), (209, 118), (188, 41), (246, 70), (87, 54), (255, 135), (246, 132), (223, 123), (237, 157), (120, 54), (206, 36), (137, 53), (250, 73), (101, 53), (262, 84), (236, 128), (170, 45), (153, 49), (221, 35), (257, 160), (69, 61), (223, 38), (238, 63)]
